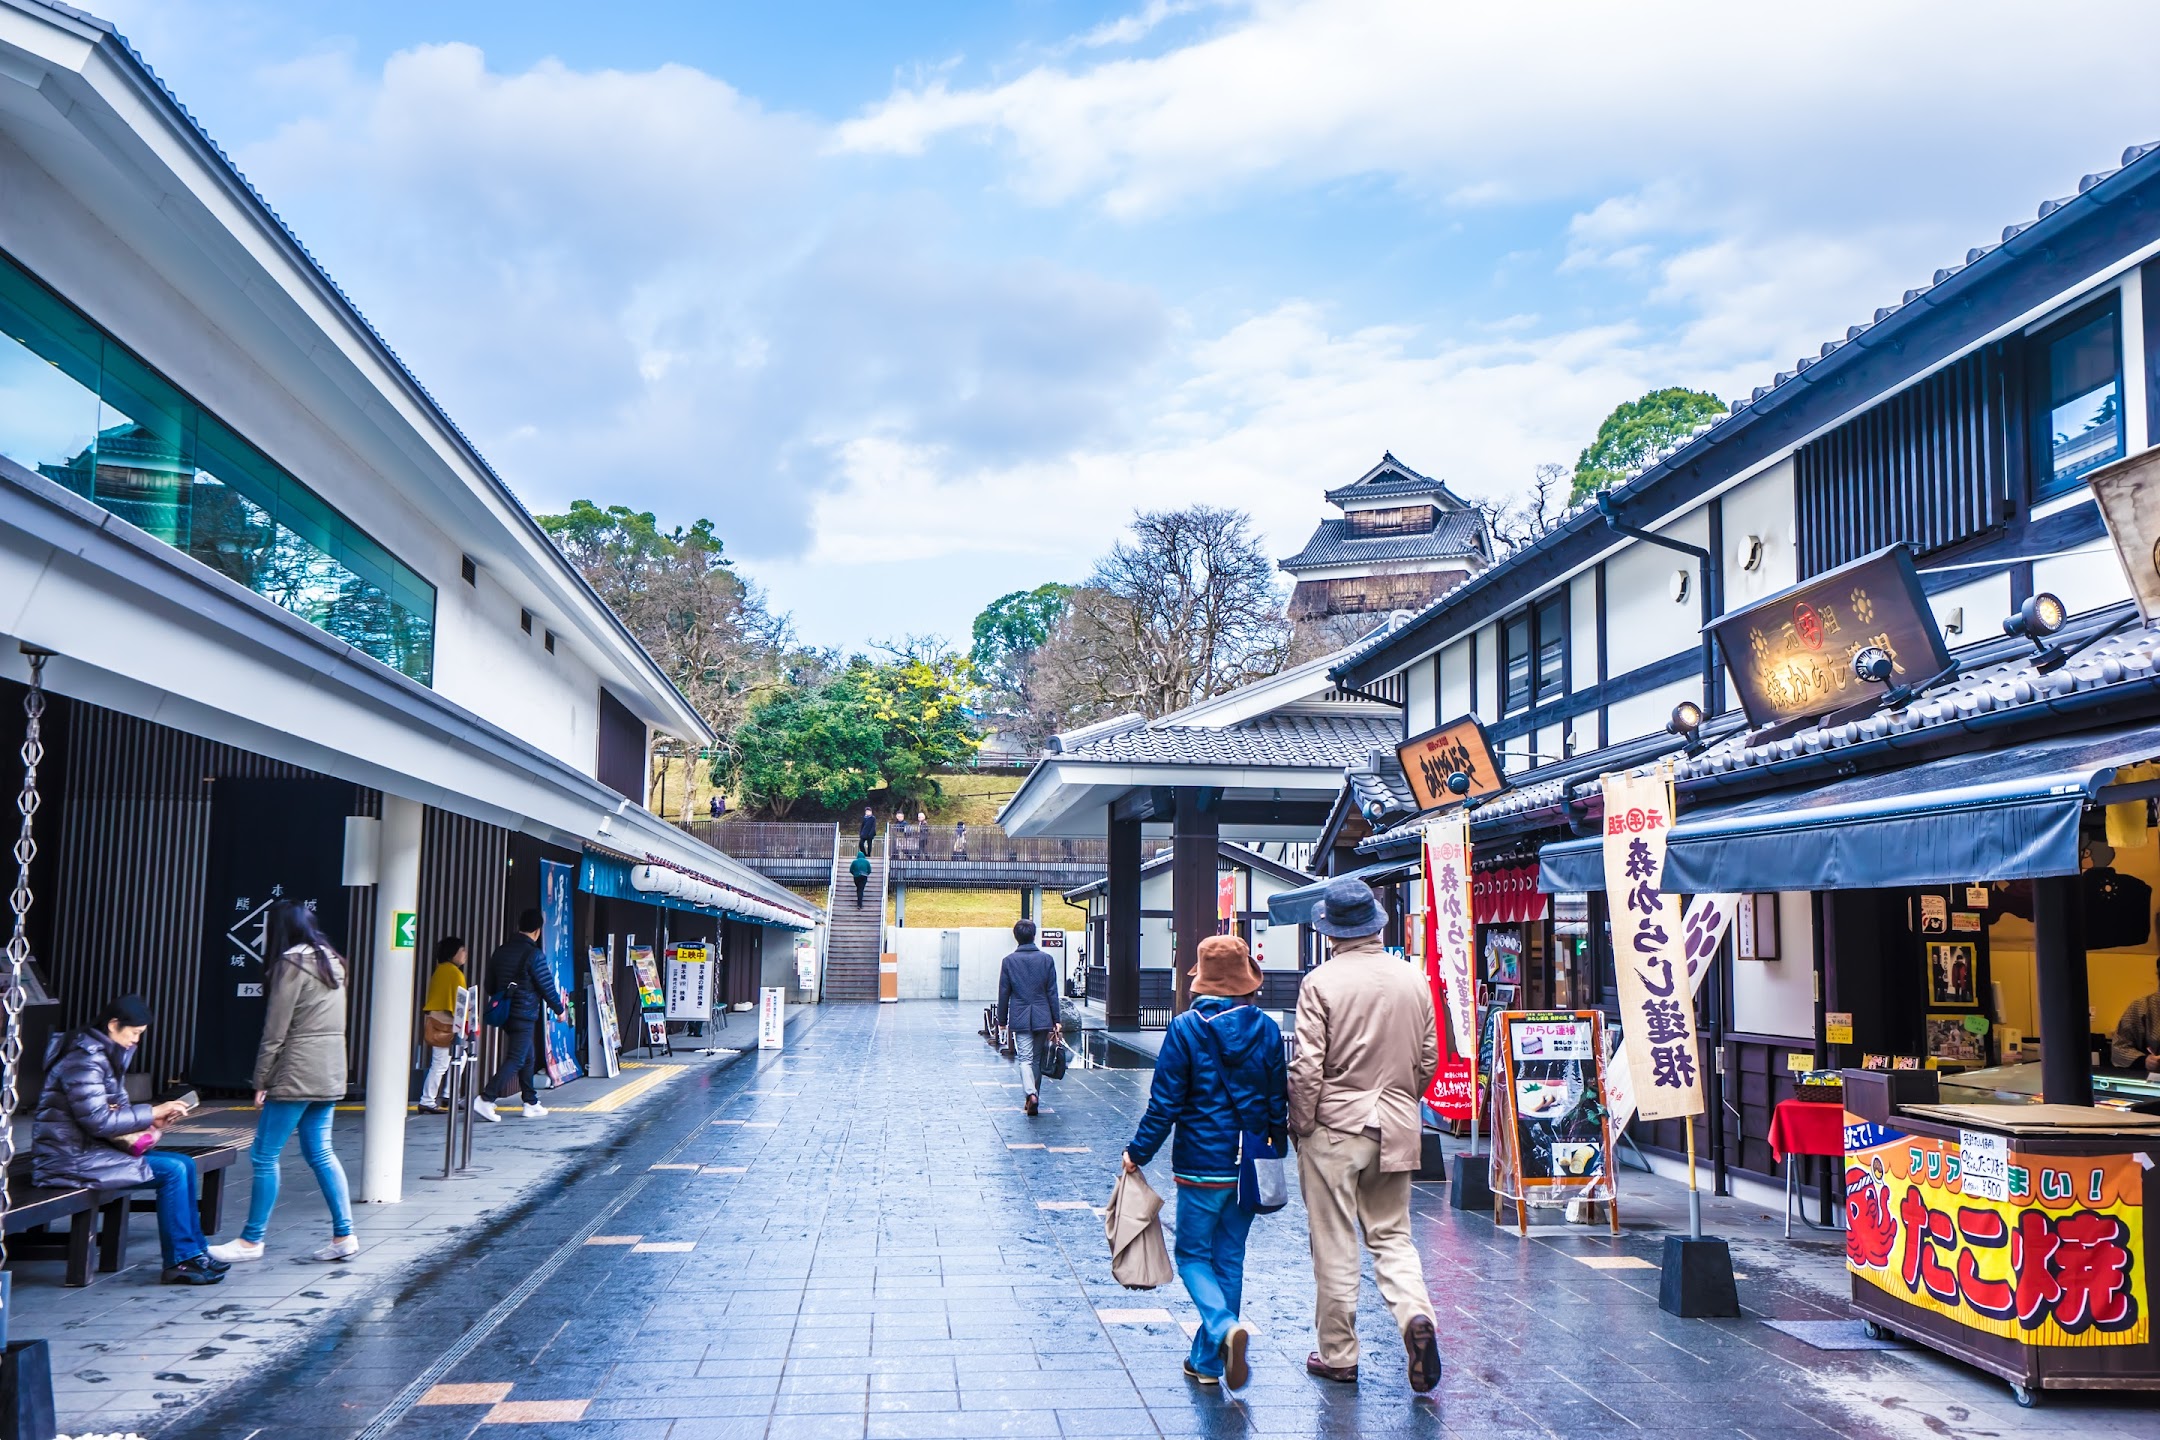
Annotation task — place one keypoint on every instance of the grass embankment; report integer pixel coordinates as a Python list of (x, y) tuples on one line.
[(955, 909)]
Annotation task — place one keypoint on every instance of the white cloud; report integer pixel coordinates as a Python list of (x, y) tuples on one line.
[(1542, 100)]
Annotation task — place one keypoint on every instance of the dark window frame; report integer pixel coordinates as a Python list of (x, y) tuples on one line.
[(1547, 611), (2039, 403)]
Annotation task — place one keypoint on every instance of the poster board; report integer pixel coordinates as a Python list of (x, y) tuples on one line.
[(604, 1043), (689, 982), (556, 883), (650, 995), (1550, 1137)]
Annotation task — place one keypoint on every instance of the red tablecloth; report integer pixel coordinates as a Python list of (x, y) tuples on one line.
[(1807, 1127)]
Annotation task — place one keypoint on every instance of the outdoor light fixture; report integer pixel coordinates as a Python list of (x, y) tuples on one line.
[(2038, 618), (1681, 584), (1458, 783), (1872, 664), (1687, 718), (1750, 555)]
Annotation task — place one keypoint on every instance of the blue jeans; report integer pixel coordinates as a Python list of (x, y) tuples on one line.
[(280, 1118), (179, 1206), (520, 1058), (1210, 1254)]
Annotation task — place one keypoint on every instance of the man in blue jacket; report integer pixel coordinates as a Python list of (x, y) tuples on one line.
[(1220, 1060), (519, 967)]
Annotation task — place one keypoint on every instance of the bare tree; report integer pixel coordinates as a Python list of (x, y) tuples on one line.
[(1516, 524), (1186, 607)]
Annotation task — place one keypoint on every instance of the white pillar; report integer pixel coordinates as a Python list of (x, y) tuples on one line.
[(390, 1006)]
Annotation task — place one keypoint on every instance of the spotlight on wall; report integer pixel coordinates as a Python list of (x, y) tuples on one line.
[(2038, 618), (1458, 783), (1872, 665), (1687, 718)]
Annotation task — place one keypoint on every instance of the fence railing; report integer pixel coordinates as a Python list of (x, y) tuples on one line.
[(915, 846)]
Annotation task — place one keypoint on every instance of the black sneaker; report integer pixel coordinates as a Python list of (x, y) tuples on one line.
[(195, 1270), (216, 1266), (1200, 1375)]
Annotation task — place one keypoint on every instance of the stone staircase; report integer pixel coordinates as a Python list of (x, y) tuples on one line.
[(855, 938)]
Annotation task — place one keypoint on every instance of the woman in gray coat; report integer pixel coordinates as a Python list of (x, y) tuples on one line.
[(299, 1078)]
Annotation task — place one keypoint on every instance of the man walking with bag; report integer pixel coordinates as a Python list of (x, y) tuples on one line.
[(1219, 1079), (519, 982), (1027, 1006), (1367, 1047)]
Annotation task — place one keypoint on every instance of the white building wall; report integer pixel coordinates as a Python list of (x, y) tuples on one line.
[(1761, 506), (1488, 674), (1643, 622), (2082, 581), (1455, 680), (1777, 997), (1647, 713), (1420, 712), (1582, 631)]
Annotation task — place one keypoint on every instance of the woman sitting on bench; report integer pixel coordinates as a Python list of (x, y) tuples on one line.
[(86, 1129)]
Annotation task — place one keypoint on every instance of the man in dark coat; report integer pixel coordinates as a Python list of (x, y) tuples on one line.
[(867, 831), (519, 968), (1027, 1005)]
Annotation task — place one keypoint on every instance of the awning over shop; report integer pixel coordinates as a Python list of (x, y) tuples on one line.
[(1295, 907), (2003, 815), (615, 878)]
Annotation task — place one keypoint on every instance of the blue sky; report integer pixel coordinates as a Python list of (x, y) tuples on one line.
[(919, 301)]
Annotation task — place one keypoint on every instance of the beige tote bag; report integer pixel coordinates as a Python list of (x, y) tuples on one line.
[(1139, 1260)]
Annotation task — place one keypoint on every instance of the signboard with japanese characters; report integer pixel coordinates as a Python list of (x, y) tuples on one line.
[(1790, 656), (689, 982), (1456, 748), (1549, 1120), (2042, 1249), (1447, 922), (1708, 918), (1657, 1015)]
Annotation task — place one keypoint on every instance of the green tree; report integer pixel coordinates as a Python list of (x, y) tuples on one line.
[(1636, 430), (1013, 627)]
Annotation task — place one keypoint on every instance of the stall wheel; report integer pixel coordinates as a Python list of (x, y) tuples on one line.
[(1876, 1330), (2025, 1395)]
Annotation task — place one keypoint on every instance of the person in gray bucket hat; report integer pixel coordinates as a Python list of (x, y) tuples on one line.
[(1367, 1047)]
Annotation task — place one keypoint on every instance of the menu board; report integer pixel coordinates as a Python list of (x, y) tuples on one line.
[(1550, 1136), (689, 990), (605, 1047)]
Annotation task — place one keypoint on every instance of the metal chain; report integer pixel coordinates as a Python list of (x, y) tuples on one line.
[(18, 946)]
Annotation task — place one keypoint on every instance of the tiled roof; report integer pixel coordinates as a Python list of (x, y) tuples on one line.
[(1389, 479), (1684, 451), (1456, 536), (1298, 741)]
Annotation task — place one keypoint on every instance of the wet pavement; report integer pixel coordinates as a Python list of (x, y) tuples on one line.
[(863, 1238)]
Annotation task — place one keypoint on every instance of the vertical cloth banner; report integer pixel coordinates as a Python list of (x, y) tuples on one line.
[(1649, 948), (1708, 918), (1447, 923)]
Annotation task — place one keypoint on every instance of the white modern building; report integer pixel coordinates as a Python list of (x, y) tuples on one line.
[(300, 638)]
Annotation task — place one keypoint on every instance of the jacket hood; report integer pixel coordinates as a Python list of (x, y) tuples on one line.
[(1241, 1029)]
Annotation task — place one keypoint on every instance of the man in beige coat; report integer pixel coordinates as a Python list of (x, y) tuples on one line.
[(1366, 1049)]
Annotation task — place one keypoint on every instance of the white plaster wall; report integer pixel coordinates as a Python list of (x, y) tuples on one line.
[(1488, 673), (1642, 622), (2083, 581), (1647, 713), (1985, 603), (1582, 625), (922, 956), (1419, 714), (1777, 997), (1762, 506), (1455, 680)]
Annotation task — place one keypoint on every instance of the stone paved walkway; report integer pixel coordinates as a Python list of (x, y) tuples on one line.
[(864, 1239)]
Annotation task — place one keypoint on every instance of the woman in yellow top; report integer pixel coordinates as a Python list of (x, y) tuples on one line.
[(442, 987)]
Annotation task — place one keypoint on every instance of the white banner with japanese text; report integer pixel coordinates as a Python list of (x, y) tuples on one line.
[(1447, 877), (1649, 948), (1708, 918)]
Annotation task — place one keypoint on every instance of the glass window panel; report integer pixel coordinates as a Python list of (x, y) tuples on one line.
[(91, 416), (1552, 650), (1515, 652), (2084, 402)]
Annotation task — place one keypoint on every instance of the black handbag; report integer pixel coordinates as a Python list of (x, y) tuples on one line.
[(1053, 1057)]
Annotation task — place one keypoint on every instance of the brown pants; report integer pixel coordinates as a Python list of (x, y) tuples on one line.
[(1346, 1191)]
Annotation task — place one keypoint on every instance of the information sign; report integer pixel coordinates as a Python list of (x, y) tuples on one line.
[(772, 1018), (604, 1045), (1456, 748), (689, 987), (650, 996)]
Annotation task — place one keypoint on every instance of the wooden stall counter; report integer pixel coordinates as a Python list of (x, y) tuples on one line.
[(2013, 1237)]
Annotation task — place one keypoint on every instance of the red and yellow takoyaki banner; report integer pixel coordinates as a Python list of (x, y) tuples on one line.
[(2058, 1261)]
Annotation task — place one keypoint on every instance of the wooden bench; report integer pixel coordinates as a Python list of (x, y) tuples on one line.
[(33, 1209), (214, 1152)]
